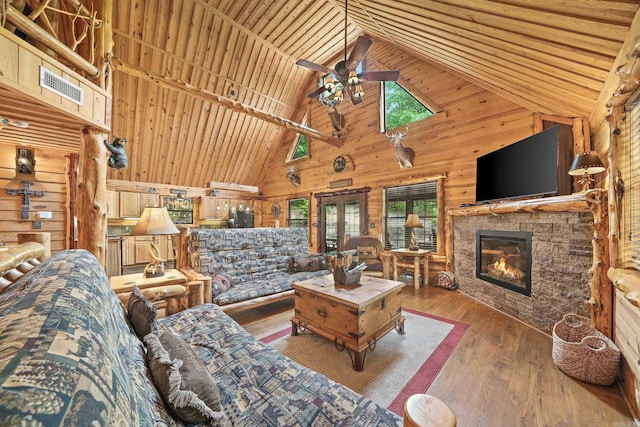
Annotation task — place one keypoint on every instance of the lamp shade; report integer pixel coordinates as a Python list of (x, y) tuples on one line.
[(413, 221), (154, 220), (587, 163)]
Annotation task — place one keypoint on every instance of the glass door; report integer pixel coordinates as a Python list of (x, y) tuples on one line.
[(342, 215)]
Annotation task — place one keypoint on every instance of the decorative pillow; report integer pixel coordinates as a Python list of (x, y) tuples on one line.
[(307, 263), (181, 379), (142, 313), (367, 252), (220, 282)]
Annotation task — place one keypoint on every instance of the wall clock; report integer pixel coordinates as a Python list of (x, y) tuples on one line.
[(275, 209)]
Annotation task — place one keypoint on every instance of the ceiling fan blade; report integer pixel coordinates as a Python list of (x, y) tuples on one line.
[(313, 66), (360, 49), (316, 92), (378, 76)]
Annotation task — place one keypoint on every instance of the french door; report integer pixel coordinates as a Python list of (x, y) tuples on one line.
[(341, 215)]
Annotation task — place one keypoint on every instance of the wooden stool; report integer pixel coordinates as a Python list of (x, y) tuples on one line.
[(423, 410)]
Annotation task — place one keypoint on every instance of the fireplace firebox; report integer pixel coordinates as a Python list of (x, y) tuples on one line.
[(504, 259)]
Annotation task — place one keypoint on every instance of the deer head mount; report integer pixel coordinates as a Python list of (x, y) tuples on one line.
[(404, 155)]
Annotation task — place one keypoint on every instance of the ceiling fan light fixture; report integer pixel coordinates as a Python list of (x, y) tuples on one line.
[(358, 91), (339, 95), (353, 78), (330, 83)]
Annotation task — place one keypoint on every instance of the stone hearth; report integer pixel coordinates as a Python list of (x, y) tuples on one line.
[(561, 259)]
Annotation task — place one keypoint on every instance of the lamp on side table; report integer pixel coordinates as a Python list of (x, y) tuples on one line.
[(154, 221)]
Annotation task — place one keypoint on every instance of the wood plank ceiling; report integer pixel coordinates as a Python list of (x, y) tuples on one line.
[(550, 56)]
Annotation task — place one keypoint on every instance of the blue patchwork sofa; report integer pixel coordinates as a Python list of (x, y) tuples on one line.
[(253, 266), (68, 356)]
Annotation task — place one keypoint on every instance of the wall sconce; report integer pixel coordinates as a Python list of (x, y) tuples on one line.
[(25, 161), (585, 165)]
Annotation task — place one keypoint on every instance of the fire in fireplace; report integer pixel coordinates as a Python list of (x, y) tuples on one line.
[(504, 258)]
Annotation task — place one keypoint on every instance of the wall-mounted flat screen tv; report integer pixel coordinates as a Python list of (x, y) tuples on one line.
[(535, 166)]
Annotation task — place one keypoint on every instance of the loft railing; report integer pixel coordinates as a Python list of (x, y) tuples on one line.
[(66, 30)]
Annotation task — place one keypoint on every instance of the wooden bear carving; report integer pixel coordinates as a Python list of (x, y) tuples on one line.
[(118, 158)]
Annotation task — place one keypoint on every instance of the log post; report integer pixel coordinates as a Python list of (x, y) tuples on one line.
[(601, 302), (92, 194)]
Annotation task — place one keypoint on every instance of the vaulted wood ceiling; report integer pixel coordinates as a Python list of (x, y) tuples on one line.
[(550, 56)]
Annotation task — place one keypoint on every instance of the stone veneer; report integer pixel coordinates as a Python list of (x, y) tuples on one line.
[(561, 259)]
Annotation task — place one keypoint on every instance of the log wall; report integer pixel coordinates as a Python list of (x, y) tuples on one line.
[(50, 177), (472, 122)]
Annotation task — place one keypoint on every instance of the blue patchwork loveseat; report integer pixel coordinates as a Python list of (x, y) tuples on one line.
[(253, 265), (69, 357)]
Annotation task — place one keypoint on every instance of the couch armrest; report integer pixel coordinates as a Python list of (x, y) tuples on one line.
[(201, 284)]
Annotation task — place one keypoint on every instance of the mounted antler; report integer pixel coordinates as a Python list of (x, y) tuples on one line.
[(404, 155)]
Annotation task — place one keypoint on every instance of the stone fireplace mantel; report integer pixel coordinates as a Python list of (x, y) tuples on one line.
[(567, 257)]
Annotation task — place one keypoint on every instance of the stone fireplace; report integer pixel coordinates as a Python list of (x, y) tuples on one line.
[(559, 247), (504, 259)]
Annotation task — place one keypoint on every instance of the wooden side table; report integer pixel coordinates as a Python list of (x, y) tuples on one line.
[(405, 258), (171, 287)]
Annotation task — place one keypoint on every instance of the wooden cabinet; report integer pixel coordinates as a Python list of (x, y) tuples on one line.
[(128, 250), (113, 205), (210, 208), (135, 249), (114, 256), (132, 204)]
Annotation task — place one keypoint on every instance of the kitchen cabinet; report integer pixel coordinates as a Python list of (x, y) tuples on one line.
[(209, 208), (132, 204), (114, 256), (135, 249), (113, 205)]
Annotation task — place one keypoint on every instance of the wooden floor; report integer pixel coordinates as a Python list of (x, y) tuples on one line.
[(501, 373)]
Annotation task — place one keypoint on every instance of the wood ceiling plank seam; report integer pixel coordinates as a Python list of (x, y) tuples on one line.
[(300, 21), (206, 6), (121, 16), (218, 140), (135, 21), (550, 72), (452, 24), (150, 27), (564, 95), (253, 17), (142, 144), (225, 142), (617, 12), (159, 142), (274, 18), (585, 42), (259, 72), (258, 150), (230, 146), (532, 14), (193, 139), (227, 59), (240, 139), (173, 22), (202, 73), (175, 114), (202, 176), (244, 157), (586, 69), (237, 55), (366, 16), (207, 41), (181, 143), (195, 25)]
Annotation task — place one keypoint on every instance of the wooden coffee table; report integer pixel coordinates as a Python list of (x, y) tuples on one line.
[(353, 317)]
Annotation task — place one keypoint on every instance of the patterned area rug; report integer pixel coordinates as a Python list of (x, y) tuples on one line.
[(400, 365)]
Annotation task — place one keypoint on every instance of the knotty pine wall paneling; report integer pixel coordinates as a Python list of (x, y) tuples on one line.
[(473, 122), (50, 177)]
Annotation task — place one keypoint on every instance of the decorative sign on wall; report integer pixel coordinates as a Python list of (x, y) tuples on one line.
[(341, 183), (342, 163)]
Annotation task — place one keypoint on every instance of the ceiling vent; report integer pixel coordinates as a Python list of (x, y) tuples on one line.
[(62, 87)]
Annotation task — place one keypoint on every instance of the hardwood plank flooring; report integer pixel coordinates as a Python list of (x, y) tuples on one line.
[(501, 373)]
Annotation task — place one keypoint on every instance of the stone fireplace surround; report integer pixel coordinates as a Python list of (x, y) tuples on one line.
[(561, 259)]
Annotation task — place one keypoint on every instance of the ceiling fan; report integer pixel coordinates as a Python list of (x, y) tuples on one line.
[(344, 77)]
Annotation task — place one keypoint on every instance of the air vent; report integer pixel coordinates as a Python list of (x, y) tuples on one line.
[(62, 87)]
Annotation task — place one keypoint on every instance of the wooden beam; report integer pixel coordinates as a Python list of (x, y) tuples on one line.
[(191, 90), (234, 187)]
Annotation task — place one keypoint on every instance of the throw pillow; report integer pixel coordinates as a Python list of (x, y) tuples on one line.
[(142, 313), (220, 282), (367, 252), (181, 379), (307, 263)]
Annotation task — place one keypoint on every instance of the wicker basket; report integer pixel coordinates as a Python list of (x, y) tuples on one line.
[(583, 352)]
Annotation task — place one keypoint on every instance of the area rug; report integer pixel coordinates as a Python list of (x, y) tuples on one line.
[(399, 366)]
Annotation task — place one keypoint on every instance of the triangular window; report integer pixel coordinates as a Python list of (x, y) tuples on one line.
[(300, 147), (400, 107)]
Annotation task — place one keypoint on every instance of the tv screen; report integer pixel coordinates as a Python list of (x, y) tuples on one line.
[(525, 168)]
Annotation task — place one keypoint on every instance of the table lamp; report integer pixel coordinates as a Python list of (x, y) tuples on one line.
[(586, 164), (154, 221), (413, 222)]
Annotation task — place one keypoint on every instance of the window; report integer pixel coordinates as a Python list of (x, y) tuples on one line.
[(420, 199), (400, 107), (300, 147), (628, 162), (299, 212)]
